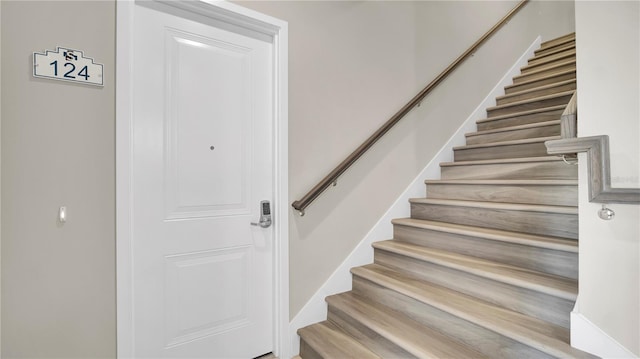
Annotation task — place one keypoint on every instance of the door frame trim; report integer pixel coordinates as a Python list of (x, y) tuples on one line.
[(238, 17)]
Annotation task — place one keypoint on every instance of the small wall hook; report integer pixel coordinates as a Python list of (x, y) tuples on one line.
[(606, 213), (570, 160)]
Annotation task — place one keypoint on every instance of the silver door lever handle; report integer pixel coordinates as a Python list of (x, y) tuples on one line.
[(263, 224)]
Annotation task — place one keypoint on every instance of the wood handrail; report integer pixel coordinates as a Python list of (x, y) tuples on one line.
[(332, 177), (569, 118), (599, 168), (598, 159)]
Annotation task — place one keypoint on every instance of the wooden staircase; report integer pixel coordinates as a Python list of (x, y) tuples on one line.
[(487, 265)]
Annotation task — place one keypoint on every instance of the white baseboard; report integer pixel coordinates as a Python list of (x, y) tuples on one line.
[(315, 310), (588, 337)]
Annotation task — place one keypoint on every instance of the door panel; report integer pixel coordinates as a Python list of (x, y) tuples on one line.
[(189, 313), (204, 132), (202, 162)]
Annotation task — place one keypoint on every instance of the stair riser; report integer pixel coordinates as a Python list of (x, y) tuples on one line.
[(560, 263), (537, 93), (534, 132), (548, 224), (527, 170), (482, 339), (326, 340), (567, 53), (551, 115), (307, 352), (528, 194), (539, 305), (555, 48), (535, 149), (529, 105), (533, 83), (369, 338), (555, 66)]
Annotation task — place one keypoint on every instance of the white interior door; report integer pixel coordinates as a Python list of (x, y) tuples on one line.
[(202, 162)]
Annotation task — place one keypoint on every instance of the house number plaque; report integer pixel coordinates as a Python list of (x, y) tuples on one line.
[(67, 65)]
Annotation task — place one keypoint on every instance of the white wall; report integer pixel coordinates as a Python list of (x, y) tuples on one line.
[(608, 53), (58, 281), (353, 64)]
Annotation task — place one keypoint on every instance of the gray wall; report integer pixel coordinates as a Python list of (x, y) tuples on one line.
[(354, 64), (58, 281), (351, 66)]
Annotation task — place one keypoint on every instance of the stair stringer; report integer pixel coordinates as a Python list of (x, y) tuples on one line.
[(315, 310), (589, 337)]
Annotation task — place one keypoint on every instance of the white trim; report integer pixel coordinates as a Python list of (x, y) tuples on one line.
[(240, 17), (281, 214), (315, 310), (588, 337), (0, 183)]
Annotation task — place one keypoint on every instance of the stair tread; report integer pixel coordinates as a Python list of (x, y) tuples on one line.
[(514, 128), (558, 40), (534, 89), (534, 240), (398, 328), (508, 143), (567, 52), (503, 160), (523, 113), (537, 68), (564, 288), (550, 75), (331, 342), (530, 100), (549, 71), (536, 333), (507, 182), (498, 205), (542, 53)]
